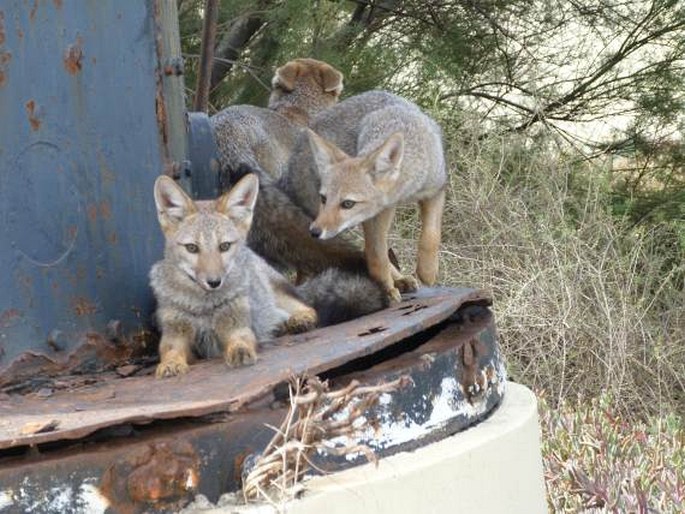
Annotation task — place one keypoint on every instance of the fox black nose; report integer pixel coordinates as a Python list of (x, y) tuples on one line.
[(214, 283), (315, 231)]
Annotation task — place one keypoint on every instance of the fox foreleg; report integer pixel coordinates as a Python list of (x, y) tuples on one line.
[(239, 346), (174, 350), (376, 250)]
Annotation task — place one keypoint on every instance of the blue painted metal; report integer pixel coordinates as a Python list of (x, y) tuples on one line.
[(203, 164), (82, 139)]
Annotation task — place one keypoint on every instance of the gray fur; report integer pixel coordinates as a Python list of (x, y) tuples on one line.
[(246, 298), (357, 126), (339, 296)]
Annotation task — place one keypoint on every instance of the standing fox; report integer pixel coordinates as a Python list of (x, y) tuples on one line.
[(362, 158), (215, 296)]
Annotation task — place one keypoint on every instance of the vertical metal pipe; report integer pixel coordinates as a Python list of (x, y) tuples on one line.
[(207, 55)]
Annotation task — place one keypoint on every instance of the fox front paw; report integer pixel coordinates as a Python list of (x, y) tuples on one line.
[(406, 284), (301, 321), (171, 368), (241, 352), (394, 295)]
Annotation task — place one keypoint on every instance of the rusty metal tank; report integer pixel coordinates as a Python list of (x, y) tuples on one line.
[(92, 111)]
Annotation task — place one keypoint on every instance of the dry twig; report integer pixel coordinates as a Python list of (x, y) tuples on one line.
[(316, 416)]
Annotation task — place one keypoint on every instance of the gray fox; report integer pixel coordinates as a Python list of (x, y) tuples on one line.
[(217, 297), (362, 158)]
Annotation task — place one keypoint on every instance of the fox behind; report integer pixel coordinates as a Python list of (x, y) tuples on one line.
[(216, 297), (362, 158), (260, 140)]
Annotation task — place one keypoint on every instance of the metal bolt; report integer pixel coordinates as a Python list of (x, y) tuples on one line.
[(56, 340), (187, 168), (174, 66), (113, 331)]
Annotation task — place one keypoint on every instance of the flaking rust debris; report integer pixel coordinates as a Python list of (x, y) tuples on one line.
[(39, 427)]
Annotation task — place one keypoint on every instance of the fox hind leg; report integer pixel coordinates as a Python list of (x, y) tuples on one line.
[(301, 317), (429, 242)]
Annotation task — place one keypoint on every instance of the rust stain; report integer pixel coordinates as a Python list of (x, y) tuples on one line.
[(20, 33), (82, 306), (34, 121), (472, 380), (160, 474), (92, 211), (8, 316), (32, 13), (113, 238), (105, 210), (5, 58), (73, 57), (58, 3), (160, 109), (2, 28)]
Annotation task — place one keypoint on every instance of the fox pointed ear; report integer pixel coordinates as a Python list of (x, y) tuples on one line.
[(285, 76), (387, 159), (331, 79), (173, 204), (324, 152), (238, 204)]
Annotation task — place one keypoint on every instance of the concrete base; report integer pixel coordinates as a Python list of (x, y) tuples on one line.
[(494, 467)]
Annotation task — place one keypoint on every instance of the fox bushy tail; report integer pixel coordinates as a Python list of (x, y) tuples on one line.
[(339, 296)]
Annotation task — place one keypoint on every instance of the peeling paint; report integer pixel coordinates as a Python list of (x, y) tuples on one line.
[(30, 498), (390, 429), (6, 499), (91, 500)]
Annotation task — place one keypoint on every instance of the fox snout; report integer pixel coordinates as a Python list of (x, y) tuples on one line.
[(210, 280), (213, 283), (322, 233), (315, 231)]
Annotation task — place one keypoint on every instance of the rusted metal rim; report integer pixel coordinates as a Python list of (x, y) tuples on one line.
[(454, 377), (106, 400)]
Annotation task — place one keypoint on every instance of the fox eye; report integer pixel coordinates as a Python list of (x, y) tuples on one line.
[(224, 247), (192, 248), (323, 199), (347, 204)]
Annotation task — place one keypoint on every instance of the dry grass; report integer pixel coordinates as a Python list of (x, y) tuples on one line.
[(584, 303)]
